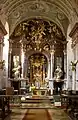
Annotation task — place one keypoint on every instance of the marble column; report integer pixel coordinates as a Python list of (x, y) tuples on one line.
[(10, 55), (48, 75), (22, 61), (74, 80), (1, 48), (65, 70), (51, 80), (3, 32), (1, 60), (25, 67)]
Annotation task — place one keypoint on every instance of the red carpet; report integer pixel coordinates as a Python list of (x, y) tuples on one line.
[(37, 114)]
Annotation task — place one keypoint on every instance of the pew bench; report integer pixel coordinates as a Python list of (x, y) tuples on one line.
[(71, 103)]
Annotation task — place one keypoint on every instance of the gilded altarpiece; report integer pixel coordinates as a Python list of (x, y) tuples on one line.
[(37, 69), (38, 38)]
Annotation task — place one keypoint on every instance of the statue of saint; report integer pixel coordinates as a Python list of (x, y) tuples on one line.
[(58, 74), (58, 81), (37, 80), (17, 71)]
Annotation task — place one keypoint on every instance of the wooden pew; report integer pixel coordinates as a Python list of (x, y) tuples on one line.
[(71, 102), (5, 96)]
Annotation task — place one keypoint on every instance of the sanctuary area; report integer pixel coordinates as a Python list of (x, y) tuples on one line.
[(39, 59)]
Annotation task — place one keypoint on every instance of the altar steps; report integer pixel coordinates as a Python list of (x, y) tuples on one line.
[(36, 102), (37, 99)]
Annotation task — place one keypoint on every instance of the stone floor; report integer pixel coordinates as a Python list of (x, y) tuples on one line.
[(37, 108), (21, 113)]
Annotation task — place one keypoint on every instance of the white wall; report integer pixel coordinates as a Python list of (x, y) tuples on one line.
[(5, 53)]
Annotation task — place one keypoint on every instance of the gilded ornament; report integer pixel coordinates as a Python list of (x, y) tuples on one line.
[(2, 64), (73, 64)]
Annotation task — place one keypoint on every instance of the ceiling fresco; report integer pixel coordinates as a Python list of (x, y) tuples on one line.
[(61, 12)]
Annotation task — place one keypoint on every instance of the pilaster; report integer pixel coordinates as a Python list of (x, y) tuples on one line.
[(74, 35)]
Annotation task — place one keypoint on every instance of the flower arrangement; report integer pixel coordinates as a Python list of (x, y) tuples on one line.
[(73, 64)]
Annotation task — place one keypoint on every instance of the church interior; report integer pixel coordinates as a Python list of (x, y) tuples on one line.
[(39, 59)]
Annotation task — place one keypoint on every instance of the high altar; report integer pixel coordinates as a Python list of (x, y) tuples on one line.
[(36, 49)]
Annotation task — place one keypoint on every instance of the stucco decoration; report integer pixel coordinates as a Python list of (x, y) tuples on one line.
[(38, 7), (55, 10)]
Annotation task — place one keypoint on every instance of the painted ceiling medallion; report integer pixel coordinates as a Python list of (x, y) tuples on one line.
[(39, 7)]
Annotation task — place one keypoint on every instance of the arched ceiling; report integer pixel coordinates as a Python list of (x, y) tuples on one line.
[(61, 12)]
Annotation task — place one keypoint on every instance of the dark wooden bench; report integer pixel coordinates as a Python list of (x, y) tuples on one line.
[(4, 106), (71, 103)]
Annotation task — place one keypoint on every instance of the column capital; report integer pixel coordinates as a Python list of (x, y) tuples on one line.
[(52, 52), (10, 41)]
